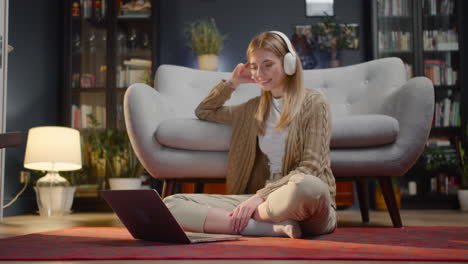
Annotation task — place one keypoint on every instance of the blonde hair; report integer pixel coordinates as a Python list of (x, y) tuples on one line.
[(294, 84)]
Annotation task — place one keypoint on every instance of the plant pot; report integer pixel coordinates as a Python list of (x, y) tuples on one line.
[(208, 62), (463, 199), (125, 183), (380, 201)]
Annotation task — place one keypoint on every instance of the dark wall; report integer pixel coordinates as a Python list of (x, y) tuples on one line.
[(33, 84), (242, 20)]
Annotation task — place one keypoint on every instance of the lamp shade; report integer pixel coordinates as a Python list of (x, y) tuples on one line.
[(53, 148)]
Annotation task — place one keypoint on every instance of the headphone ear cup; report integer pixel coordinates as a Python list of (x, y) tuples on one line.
[(289, 63)]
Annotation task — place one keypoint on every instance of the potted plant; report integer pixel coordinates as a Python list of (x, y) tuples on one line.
[(333, 37), (206, 41), (121, 164), (440, 162), (463, 189)]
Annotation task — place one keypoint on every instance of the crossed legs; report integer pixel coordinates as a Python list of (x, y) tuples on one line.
[(305, 200)]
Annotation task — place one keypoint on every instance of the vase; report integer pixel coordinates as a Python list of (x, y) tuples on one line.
[(208, 62), (463, 199)]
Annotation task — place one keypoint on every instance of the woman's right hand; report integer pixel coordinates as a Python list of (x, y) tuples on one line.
[(241, 74)]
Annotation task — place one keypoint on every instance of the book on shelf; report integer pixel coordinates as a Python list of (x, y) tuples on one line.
[(440, 40), (437, 142), (394, 41), (438, 7), (447, 113), (395, 7), (80, 116), (439, 72)]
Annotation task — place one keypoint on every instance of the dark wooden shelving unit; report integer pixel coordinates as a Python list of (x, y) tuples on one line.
[(94, 49), (422, 53)]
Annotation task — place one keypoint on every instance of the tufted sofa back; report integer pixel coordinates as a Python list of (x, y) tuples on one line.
[(189, 87), (356, 89)]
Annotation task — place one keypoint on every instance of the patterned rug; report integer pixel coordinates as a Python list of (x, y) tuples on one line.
[(363, 243)]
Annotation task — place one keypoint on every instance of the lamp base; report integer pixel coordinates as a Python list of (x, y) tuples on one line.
[(54, 195), (52, 178), (54, 201)]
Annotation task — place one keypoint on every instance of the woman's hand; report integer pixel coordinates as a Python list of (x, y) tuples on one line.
[(243, 212), (241, 74)]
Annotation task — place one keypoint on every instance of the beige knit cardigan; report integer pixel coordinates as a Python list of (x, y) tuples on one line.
[(307, 145)]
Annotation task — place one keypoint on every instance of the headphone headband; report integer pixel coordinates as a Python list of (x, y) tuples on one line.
[(289, 60), (286, 40)]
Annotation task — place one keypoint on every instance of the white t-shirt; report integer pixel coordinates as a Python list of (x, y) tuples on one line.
[(273, 143)]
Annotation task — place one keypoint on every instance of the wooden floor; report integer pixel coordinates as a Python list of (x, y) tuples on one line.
[(19, 225)]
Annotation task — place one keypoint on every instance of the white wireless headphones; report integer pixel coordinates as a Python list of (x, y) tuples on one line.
[(289, 60)]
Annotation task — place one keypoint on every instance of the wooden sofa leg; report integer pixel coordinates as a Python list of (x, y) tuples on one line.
[(363, 196), (168, 188), (390, 201)]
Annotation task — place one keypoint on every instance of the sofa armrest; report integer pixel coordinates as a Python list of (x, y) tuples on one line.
[(144, 109), (413, 106)]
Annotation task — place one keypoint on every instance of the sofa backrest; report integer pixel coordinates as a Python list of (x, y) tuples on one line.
[(355, 89), (188, 87), (358, 89)]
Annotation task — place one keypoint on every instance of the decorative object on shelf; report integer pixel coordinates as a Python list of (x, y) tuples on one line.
[(121, 163), (135, 71), (53, 149), (304, 45), (136, 8), (319, 7), (332, 37), (91, 9), (412, 188), (206, 41)]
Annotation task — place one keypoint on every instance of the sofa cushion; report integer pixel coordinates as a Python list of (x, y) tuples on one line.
[(347, 132), (193, 134), (363, 131)]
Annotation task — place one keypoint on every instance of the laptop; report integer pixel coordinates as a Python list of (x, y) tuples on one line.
[(146, 217)]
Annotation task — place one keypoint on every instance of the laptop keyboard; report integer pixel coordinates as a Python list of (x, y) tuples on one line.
[(198, 237)]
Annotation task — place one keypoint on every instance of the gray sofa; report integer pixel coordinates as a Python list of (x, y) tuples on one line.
[(380, 124)]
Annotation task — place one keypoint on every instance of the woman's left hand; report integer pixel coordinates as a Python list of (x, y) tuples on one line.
[(243, 212)]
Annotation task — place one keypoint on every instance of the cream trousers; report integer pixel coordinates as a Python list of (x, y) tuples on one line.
[(304, 198)]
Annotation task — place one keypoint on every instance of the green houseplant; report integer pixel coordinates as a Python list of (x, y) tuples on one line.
[(206, 42), (112, 146), (439, 162), (332, 37)]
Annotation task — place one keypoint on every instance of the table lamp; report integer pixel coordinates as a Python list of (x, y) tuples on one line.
[(53, 149)]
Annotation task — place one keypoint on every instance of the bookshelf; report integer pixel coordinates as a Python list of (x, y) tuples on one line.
[(428, 35), (108, 45)]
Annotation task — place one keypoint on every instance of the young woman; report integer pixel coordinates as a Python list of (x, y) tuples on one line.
[(279, 151)]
